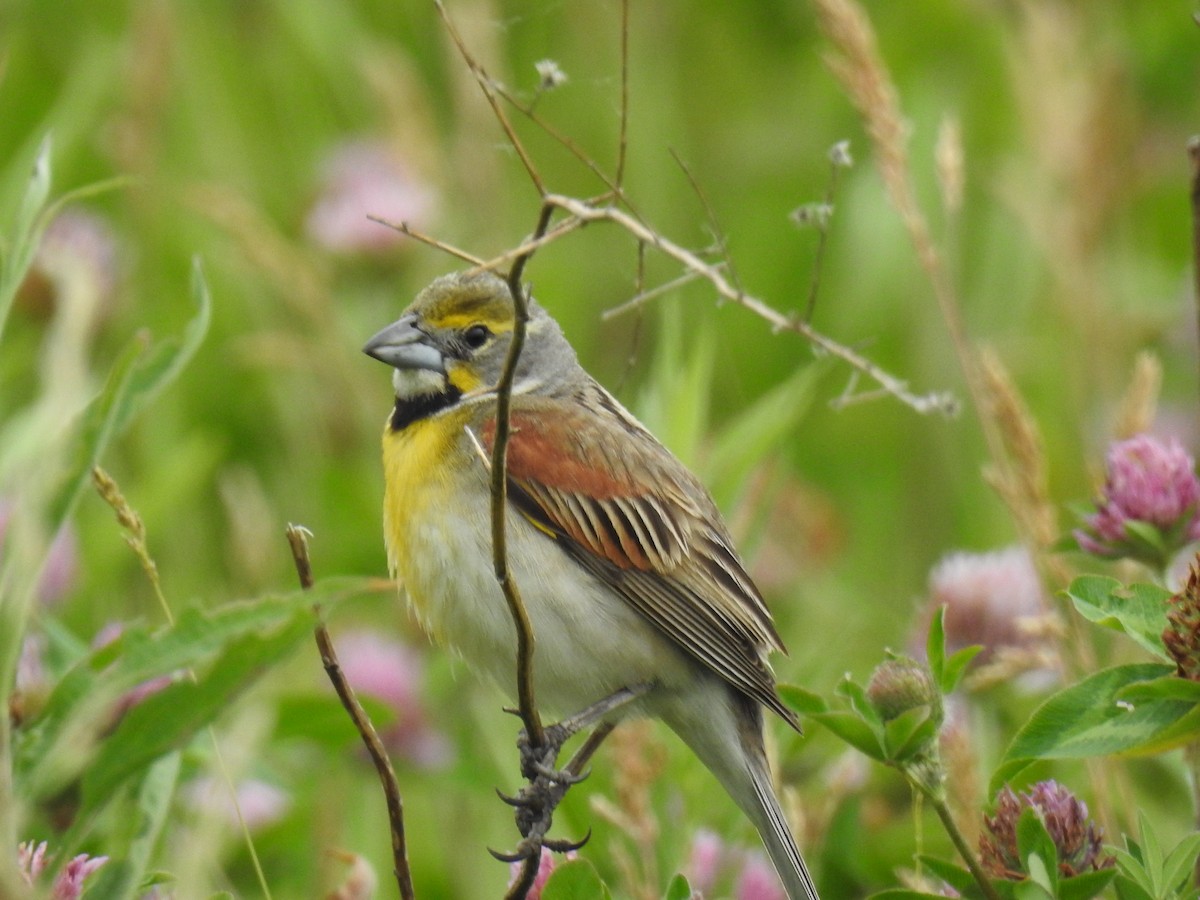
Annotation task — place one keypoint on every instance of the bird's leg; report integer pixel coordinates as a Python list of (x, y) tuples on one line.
[(547, 785), (540, 760)]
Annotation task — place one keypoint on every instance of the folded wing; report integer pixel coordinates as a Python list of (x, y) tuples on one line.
[(637, 519)]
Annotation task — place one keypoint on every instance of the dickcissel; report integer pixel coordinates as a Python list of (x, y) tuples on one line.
[(626, 568)]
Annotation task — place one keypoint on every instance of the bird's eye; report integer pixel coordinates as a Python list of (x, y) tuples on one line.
[(476, 336)]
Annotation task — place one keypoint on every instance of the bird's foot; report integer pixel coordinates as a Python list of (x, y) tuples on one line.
[(547, 784), (534, 807)]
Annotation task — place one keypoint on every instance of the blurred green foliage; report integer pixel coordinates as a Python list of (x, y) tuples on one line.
[(1070, 254)]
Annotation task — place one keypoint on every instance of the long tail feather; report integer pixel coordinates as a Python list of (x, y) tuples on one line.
[(724, 729), (769, 819)]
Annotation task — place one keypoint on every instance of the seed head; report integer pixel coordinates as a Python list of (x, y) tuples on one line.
[(900, 684), (1076, 837), (1182, 634)]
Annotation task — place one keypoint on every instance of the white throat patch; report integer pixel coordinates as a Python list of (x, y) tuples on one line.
[(417, 382)]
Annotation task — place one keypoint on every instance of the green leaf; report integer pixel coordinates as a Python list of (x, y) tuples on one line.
[(1029, 889), (125, 876), (759, 430), (1169, 687), (861, 703), (1131, 889), (57, 746), (903, 894), (678, 889), (1085, 885), (1090, 719), (169, 719), (1129, 861), (1146, 542), (576, 879), (1180, 862), (1139, 611), (1037, 852), (802, 700), (954, 875), (1184, 730), (140, 373), (956, 667), (26, 232), (935, 647), (1152, 855), (909, 733), (853, 730)]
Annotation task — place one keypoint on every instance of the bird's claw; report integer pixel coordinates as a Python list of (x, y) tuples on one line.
[(511, 801), (559, 776), (566, 846), (531, 847)]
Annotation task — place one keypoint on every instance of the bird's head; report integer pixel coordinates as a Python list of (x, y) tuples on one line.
[(455, 336)]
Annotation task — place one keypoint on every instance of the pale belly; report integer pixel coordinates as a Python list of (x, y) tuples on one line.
[(589, 642)]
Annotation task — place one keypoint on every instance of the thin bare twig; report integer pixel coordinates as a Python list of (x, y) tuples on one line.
[(298, 541), (499, 473), (528, 246), (643, 297), (718, 232), (436, 243), (485, 84), (525, 637), (614, 188), (942, 403), (835, 166)]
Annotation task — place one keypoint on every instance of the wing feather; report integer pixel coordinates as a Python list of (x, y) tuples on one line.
[(632, 515)]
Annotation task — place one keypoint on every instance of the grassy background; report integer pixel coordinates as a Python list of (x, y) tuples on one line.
[(1070, 255)]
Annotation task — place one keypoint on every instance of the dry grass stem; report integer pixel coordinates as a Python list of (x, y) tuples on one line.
[(135, 533), (527, 248), (964, 783), (1023, 482), (948, 158), (1140, 401), (859, 67)]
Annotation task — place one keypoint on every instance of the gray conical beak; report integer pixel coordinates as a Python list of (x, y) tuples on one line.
[(404, 346)]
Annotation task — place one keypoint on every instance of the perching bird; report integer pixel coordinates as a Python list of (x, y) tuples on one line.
[(625, 567)]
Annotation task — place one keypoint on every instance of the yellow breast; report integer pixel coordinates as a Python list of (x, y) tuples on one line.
[(422, 466)]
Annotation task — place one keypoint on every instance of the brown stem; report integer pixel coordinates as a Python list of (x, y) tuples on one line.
[(296, 536), (499, 470), (485, 84)]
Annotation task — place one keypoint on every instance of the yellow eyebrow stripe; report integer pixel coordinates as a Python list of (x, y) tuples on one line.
[(454, 321)]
